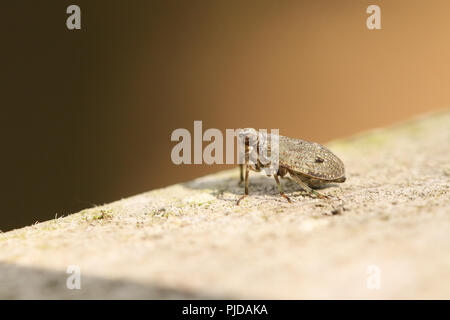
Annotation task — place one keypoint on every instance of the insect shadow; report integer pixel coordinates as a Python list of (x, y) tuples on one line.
[(260, 185)]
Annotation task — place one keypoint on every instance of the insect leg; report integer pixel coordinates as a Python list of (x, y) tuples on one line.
[(246, 169), (306, 187), (280, 188), (241, 169), (246, 184)]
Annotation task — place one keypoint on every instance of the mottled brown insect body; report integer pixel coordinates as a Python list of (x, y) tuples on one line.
[(310, 164), (310, 160)]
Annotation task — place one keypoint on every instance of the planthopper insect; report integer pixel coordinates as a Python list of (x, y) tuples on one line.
[(309, 164)]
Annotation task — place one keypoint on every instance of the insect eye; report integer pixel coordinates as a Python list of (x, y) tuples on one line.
[(319, 160)]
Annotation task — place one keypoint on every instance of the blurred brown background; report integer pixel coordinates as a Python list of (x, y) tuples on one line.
[(87, 115)]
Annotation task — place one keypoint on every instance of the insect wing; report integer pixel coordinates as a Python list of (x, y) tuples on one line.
[(309, 158)]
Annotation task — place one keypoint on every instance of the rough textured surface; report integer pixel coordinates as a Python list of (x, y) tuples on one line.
[(192, 241)]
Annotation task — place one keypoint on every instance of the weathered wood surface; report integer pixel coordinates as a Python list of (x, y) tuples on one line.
[(192, 241)]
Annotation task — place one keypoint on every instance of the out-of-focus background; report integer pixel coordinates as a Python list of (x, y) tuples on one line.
[(88, 114)]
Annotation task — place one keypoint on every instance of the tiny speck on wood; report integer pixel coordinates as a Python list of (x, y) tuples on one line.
[(337, 211)]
